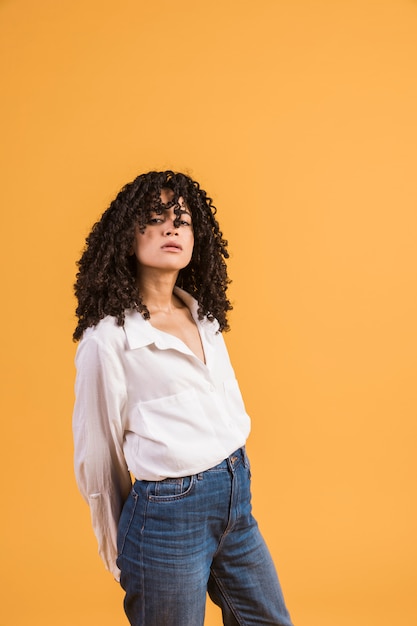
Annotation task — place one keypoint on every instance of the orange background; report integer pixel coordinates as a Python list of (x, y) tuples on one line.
[(299, 118)]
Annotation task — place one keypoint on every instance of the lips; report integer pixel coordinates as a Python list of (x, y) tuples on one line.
[(171, 245)]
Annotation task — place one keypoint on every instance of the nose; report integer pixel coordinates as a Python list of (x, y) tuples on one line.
[(171, 229)]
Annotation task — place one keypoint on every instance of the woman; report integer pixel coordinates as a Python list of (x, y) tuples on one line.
[(157, 399)]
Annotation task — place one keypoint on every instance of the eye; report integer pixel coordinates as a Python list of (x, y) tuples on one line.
[(156, 216)]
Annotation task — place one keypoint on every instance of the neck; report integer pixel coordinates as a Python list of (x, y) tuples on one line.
[(157, 291)]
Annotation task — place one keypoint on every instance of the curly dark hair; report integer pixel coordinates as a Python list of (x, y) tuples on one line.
[(105, 283)]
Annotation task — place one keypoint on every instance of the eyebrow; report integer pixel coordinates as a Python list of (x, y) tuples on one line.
[(182, 211), (177, 208)]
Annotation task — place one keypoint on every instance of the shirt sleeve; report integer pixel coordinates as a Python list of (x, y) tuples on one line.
[(100, 467)]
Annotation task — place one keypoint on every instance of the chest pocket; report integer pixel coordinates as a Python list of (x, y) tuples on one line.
[(173, 418)]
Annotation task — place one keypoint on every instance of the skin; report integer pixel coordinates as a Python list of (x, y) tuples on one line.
[(161, 251)]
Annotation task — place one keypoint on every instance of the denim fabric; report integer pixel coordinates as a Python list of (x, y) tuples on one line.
[(181, 537)]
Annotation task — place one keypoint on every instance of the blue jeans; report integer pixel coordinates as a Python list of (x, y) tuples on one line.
[(181, 537)]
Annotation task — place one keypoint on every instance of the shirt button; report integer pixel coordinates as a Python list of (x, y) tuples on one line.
[(212, 388)]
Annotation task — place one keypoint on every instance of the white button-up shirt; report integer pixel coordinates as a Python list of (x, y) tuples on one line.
[(145, 404)]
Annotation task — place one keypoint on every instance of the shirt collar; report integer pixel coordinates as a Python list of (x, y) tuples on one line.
[(140, 332)]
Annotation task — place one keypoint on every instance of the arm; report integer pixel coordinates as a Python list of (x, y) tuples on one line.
[(100, 467)]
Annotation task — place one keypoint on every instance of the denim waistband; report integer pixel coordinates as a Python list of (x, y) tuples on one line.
[(229, 463), (232, 461)]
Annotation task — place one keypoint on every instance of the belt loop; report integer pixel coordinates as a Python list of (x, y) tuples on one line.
[(245, 457)]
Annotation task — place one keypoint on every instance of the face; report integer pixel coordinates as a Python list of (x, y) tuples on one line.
[(167, 242)]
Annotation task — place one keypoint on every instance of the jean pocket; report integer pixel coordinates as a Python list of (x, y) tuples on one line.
[(170, 489)]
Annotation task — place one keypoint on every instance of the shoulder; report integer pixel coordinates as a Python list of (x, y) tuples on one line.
[(106, 336), (100, 359)]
